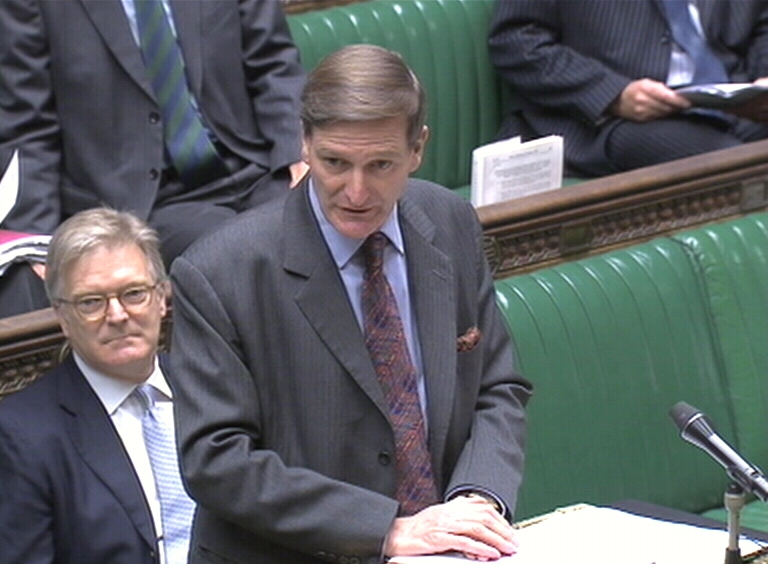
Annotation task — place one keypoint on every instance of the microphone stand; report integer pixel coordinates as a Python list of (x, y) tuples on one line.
[(734, 501)]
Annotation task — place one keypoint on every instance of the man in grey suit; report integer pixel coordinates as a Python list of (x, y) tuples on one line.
[(601, 73), (78, 481), (295, 396), (80, 104)]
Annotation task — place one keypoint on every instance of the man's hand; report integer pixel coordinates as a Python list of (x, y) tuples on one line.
[(646, 100), (464, 524), (298, 171)]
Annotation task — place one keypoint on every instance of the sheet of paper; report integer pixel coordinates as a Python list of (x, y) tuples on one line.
[(505, 170), (9, 186), (595, 535)]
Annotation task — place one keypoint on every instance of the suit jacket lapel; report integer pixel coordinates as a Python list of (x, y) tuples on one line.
[(112, 24), (98, 443), (323, 298), (430, 275), (187, 17)]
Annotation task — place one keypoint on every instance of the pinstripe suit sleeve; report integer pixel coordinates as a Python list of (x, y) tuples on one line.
[(757, 55), (526, 49)]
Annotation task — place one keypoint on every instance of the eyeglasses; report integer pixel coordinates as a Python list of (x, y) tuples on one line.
[(93, 307)]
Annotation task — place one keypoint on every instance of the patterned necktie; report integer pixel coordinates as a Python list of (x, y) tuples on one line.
[(708, 68), (387, 346), (176, 508), (191, 150)]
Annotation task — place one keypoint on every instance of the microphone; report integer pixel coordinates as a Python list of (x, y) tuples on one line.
[(697, 430)]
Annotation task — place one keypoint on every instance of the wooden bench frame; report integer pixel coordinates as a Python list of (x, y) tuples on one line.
[(623, 209)]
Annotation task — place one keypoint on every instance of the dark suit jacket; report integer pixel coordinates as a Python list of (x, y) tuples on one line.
[(283, 426), (569, 60), (68, 491), (77, 102)]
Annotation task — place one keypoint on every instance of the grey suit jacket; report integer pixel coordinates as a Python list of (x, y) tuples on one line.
[(569, 60), (79, 107), (68, 491), (284, 431)]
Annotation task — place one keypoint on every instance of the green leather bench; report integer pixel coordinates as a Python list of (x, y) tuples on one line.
[(444, 42), (612, 342), (733, 263)]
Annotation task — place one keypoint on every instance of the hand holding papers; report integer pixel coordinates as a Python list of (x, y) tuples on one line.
[(511, 169), (584, 534)]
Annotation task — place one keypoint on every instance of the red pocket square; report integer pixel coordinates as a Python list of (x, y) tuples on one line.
[(469, 339)]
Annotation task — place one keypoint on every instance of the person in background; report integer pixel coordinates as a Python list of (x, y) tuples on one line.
[(349, 394), (602, 74), (88, 464), (184, 113)]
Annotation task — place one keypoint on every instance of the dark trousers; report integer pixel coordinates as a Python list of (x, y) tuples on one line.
[(631, 145), (21, 291)]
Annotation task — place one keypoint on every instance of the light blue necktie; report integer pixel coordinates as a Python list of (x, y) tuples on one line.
[(176, 507), (191, 150), (708, 68)]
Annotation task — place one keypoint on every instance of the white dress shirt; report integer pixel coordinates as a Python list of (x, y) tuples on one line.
[(126, 411)]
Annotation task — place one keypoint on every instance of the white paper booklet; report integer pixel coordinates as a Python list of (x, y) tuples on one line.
[(510, 169)]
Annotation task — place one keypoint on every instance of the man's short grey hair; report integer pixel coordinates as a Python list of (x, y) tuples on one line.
[(93, 229), (363, 83)]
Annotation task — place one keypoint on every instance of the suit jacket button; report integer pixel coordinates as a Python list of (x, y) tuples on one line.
[(154, 117), (385, 458), (154, 174)]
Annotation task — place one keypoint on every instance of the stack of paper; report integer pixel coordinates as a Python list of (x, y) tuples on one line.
[(21, 247), (585, 534)]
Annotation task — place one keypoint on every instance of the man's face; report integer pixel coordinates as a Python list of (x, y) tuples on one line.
[(360, 169), (120, 344)]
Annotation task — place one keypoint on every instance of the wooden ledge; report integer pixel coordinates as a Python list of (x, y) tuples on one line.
[(621, 209)]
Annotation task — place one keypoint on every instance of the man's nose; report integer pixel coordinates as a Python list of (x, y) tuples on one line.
[(356, 191), (115, 309)]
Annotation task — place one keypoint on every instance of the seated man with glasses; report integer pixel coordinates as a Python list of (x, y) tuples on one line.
[(88, 464)]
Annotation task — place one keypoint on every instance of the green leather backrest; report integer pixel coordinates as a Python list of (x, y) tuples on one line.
[(733, 262), (611, 343), (444, 42)]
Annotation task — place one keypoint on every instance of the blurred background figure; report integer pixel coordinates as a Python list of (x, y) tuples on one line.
[(601, 73)]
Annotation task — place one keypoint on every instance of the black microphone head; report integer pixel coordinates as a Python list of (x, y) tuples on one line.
[(694, 427), (682, 413)]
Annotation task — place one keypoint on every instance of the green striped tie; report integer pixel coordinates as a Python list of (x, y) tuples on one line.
[(187, 141)]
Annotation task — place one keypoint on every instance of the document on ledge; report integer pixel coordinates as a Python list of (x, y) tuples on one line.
[(584, 534), (511, 169)]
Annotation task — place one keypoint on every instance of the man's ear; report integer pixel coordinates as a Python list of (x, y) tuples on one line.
[(418, 149), (62, 318)]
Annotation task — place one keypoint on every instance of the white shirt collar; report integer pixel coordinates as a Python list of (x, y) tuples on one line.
[(344, 248), (113, 392)]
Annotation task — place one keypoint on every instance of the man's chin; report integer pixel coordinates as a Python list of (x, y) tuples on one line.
[(358, 228)]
